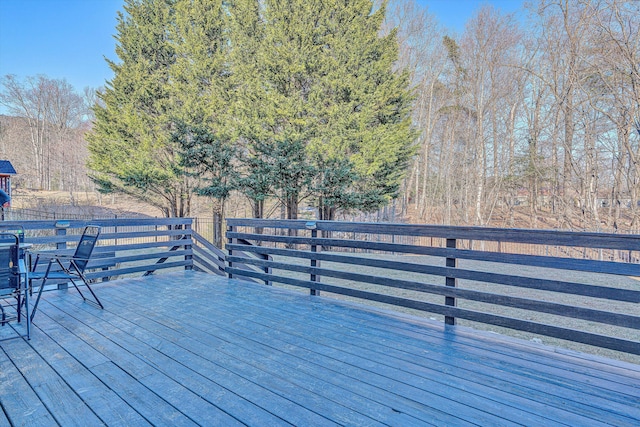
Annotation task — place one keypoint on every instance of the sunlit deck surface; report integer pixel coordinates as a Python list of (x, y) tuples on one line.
[(193, 349)]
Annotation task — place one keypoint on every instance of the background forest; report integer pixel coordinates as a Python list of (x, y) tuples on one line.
[(531, 122)]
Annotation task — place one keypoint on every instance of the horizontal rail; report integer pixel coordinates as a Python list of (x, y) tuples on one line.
[(80, 224), (491, 298), (542, 237), (137, 269), (458, 273), (594, 266)]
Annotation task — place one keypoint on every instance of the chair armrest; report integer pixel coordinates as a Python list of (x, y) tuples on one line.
[(51, 258), (47, 255), (61, 256)]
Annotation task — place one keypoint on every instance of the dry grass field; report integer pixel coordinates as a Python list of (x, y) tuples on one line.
[(92, 203), (81, 203)]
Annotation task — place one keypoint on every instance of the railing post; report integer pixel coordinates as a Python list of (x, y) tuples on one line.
[(188, 258), (61, 230), (314, 262), (451, 281), (229, 251), (266, 270)]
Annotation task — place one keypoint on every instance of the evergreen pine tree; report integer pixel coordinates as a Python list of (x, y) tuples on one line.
[(130, 145), (329, 116), (302, 94), (164, 109), (200, 97), (246, 28)]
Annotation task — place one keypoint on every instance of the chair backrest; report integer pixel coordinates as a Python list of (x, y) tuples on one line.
[(8, 261), (85, 246)]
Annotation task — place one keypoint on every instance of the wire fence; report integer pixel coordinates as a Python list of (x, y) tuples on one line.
[(14, 214)]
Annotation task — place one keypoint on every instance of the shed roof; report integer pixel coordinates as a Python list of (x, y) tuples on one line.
[(7, 168)]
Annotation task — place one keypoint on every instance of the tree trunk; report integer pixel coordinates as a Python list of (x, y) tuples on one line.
[(217, 228), (292, 206)]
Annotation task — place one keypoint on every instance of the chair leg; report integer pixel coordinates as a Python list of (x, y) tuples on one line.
[(19, 301), (26, 304), (97, 302), (23, 301), (79, 273), (35, 306), (44, 280)]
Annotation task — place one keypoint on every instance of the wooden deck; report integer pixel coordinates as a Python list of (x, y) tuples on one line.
[(194, 349)]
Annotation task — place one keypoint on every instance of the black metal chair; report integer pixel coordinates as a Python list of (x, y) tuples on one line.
[(13, 284), (68, 268)]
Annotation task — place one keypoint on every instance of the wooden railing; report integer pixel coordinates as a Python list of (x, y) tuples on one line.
[(206, 256), (126, 246), (567, 285)]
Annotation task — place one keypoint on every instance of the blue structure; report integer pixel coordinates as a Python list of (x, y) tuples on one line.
[(6, 171)]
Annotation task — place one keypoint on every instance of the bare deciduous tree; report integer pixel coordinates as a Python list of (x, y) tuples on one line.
[(53, 120)]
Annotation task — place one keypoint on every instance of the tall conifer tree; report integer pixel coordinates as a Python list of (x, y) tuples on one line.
[(201, 96), (246, 28), (330, 117), (303, 94), (130, 146), (163, 111)]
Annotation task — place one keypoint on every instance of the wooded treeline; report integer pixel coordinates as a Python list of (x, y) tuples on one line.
[(539, 115), (533, 118)]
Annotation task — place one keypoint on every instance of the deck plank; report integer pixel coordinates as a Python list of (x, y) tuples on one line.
[(72, 359), (572, 416), (52, 390), (295, 370), (501, 396), (299, 415), (301, 379), (18, 401), (194, 349), (392, 364), (487, 342), (167, 389), (382, 382), (156, 410), (4, 421), (129, 389)]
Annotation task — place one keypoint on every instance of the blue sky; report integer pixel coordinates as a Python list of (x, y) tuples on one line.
[(70, 38)]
